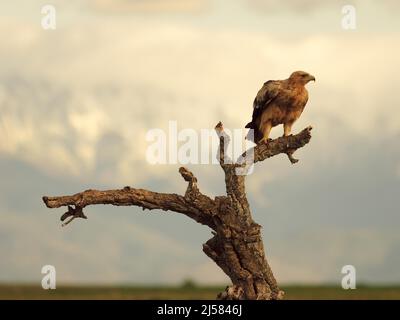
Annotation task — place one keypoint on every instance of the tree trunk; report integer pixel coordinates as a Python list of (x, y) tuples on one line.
[(237, 246)]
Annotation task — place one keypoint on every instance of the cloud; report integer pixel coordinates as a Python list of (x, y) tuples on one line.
[(324, 221), (271, 6), (366, 249), (109, 253), (129, 6), (312, 6), (86, 101), (75, 115)]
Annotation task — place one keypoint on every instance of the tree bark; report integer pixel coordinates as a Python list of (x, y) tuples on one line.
[(236, 246)]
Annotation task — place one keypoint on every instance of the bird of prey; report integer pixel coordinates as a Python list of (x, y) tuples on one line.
[(278, 102)]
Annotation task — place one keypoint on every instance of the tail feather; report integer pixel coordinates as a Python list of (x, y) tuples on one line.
[(253, 135), (249, 125)]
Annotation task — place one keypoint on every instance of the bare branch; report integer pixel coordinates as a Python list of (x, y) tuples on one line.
[(236, 246), (196, 206), (224, 160), (287, 145), (193, 196), (188, 176), (72, 213), (262, 151)]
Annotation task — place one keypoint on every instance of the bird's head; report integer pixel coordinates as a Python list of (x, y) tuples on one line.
[(301, 77)]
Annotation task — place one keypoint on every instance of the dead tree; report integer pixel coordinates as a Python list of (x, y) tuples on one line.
[(236, 246)]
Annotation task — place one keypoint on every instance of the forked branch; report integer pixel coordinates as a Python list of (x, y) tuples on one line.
[(236, 246), (194, 204)]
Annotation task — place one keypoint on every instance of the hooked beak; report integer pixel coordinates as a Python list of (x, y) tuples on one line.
[(312, 78)]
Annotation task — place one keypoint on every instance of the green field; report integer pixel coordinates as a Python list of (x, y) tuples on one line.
[(187, 292)]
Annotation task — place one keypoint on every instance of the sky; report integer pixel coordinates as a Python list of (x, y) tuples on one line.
[(77, 102)]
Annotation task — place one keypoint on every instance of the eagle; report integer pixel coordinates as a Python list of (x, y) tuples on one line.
[(278, 102)]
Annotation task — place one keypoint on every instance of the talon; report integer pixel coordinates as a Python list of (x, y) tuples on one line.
[(266, 141)]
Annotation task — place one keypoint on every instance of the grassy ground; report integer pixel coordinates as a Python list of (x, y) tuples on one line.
[(186, 292)]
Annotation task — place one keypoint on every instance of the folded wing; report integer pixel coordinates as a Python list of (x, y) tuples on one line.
[(269, 91)]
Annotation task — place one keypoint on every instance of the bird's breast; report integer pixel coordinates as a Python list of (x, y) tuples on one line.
[(287, 107)]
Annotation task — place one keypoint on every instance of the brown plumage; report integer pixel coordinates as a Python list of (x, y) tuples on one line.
[(279, 102)]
